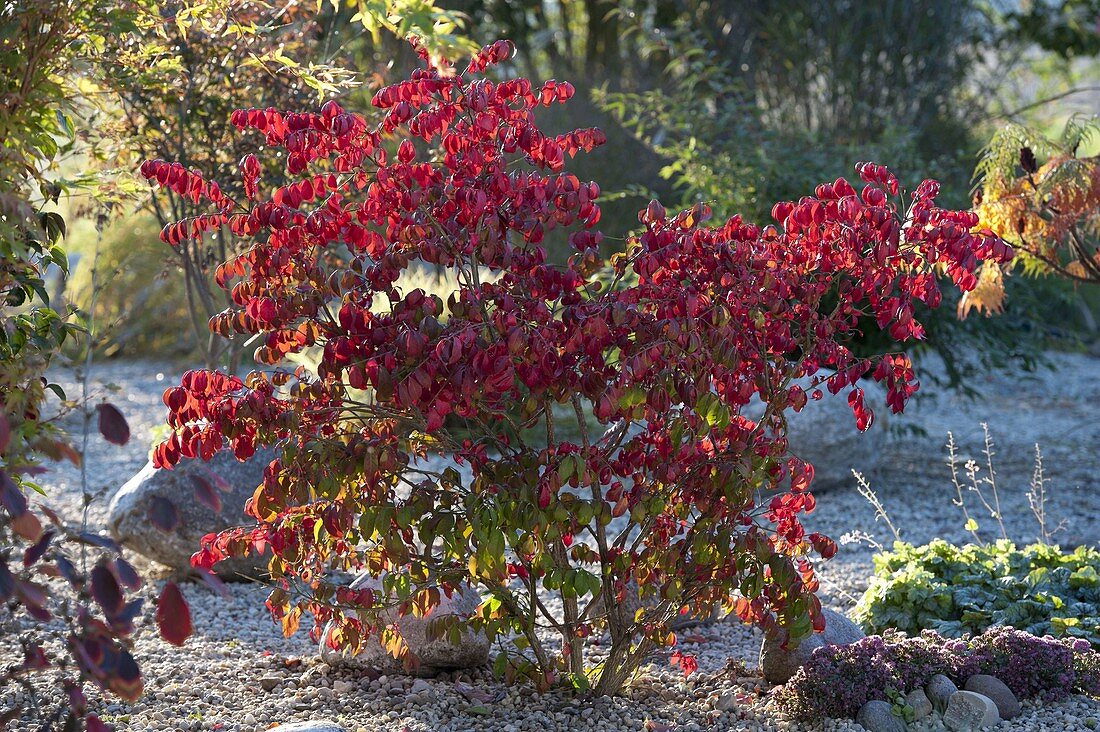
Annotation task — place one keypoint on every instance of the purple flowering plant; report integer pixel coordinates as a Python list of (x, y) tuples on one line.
[(838, 680)]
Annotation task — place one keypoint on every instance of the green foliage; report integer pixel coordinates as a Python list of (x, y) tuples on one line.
[(82, 625), (959, 590), (139, 288), (42, 45), (1068, 28), (438, 30)]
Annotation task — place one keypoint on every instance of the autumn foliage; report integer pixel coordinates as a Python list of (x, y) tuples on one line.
[(578, 431), (1041, 195)]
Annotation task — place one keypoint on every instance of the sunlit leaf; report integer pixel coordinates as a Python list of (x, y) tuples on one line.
[(173, 615)]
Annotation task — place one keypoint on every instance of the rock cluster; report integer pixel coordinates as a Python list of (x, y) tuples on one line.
[(982, 703)]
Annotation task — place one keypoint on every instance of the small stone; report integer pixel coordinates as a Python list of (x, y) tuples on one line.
[(420, 686), (267, 683), (249, 720), (1008, 706), (878, 716), (939, 690), (969, 711), (726, 702), (919, 702), (343, 687), (321, 725)]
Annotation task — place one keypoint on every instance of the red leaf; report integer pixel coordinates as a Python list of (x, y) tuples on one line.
[(163, 514), (205, 493), (112, 425), (94, 724), (27, 525), (173, 615)]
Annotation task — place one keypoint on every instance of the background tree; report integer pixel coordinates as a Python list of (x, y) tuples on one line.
[(1042, 195), (176, 89)]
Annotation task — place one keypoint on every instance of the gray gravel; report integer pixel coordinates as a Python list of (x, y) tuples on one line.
[(239, 674)]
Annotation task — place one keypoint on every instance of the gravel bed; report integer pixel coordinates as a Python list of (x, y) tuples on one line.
[(238, 673)]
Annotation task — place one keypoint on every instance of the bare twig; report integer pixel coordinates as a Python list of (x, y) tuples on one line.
[(867, 492), (960, 501)]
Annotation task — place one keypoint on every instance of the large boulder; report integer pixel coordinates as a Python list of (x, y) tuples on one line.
[(919, 702), (778, 664), (824, 434), (433, 654), (129, 512), (939, 691), (878, 716)]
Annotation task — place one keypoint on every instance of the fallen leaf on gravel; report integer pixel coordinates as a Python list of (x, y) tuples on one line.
[(478, 710), (651, 726), (694, 639), (472, 692)]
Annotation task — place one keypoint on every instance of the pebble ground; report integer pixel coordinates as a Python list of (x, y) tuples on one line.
[(238, 674)]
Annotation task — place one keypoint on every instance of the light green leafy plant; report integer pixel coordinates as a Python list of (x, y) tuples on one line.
[(956, 590)]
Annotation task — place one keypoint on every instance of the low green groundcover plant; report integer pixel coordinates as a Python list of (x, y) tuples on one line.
[(838, 680), (958, 590)]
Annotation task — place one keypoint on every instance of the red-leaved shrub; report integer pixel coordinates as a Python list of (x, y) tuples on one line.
[(679, 495)]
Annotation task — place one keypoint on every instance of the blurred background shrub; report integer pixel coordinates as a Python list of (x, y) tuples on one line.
[(732, 102)]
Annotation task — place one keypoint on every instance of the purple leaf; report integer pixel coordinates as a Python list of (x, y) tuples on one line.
[(205, 493), (34, 553), (163, 514), (68, 571), (7, 582), (123, 621), (127, 575), (112, 425), (126, 677), (94, 539), (11, 497), (106, 591)]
